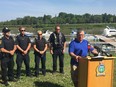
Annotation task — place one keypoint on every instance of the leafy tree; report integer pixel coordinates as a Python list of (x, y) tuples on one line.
[(62, 18), (97, 19), (47, 19)]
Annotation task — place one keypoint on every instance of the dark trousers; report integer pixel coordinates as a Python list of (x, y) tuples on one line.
[(19, 60), (61, 62), (37, 63), (7, 65)]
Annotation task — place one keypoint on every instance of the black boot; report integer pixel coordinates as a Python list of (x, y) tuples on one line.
[(61, 70)]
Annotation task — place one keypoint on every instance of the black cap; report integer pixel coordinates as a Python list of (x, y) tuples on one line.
[(5, 30)]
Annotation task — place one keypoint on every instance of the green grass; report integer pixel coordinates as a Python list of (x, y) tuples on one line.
[(50, 80)]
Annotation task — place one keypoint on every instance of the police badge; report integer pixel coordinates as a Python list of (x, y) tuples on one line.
[(101, 69)]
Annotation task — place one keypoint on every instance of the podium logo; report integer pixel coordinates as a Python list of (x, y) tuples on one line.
[(101, 70)]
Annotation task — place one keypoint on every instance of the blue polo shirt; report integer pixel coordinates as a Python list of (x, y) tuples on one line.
[(79, 49)]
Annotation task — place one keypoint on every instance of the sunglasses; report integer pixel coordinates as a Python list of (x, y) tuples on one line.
[(39, 34), (22, 30)]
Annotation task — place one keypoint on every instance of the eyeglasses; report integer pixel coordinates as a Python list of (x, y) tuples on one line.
[(39, 34), (22, 30)]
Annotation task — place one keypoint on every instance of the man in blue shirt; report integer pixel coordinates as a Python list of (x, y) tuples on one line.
[(78, 48)]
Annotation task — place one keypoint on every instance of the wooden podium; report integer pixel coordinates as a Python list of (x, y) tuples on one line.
[(96, 72)]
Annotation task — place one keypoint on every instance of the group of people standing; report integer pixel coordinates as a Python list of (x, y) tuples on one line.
[(21, 46), (78, 48)]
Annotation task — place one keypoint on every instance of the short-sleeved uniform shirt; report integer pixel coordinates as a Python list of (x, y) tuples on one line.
[(22, 41), (7, 44), (79, 49), (40, 43)]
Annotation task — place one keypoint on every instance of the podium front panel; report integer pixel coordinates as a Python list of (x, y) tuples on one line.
[(96, 73)]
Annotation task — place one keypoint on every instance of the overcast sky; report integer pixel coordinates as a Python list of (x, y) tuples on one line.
[(12, 9)]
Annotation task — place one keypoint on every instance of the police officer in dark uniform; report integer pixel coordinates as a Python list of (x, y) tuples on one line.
[(23, 46), (57, 48), (40, 47), (8, 48)]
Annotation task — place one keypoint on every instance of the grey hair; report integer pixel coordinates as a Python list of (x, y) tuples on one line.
[(80, 30), (39, 31)]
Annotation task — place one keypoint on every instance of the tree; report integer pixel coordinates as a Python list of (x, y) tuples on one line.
[(104, 18), (62, 15), (47, 19), (62, 18), (87, 17), (97, 19)]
